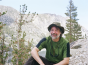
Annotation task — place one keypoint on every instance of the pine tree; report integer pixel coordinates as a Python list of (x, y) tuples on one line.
[(3, 48), (77, 32), (20, 49), (72, 27)]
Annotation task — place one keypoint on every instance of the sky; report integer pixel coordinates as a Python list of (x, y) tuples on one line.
[(57, 7)]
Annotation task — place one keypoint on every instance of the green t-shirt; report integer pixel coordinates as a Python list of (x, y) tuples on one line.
[(55, 51)]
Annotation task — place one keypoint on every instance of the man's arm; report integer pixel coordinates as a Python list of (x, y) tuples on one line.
[(65, 61), (35, 55)]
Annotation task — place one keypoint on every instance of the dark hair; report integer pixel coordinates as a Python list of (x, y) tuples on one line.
[(60, 35)]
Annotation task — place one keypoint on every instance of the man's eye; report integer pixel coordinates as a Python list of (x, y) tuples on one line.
[(51, 30)]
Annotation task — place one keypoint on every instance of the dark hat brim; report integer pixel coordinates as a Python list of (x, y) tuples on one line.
[(60, 27)]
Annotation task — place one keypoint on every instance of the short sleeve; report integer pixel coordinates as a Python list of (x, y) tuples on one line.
[(66, 51), (41, 44)]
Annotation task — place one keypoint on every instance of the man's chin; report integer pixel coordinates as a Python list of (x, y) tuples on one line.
[(54, 37)]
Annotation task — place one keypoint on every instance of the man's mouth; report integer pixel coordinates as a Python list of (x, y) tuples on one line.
[(54, 35)]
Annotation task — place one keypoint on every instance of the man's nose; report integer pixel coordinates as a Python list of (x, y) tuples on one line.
[(54, 31)]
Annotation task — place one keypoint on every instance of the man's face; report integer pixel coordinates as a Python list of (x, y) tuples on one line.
[(55, 32)]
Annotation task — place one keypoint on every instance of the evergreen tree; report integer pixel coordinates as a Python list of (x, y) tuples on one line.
[(20, 49), (72, 27), (3, 48)]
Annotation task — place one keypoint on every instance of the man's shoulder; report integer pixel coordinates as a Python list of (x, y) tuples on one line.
[(45, 39)]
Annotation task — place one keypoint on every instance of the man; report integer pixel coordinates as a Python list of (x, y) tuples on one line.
[(57, 48)]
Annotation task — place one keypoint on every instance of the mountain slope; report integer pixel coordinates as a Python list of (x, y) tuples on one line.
[(11, 15), (38, 27)]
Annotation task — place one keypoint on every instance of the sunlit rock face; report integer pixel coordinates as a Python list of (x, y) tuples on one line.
[(79, 53)]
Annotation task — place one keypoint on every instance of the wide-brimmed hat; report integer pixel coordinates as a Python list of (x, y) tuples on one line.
[(56, 24)]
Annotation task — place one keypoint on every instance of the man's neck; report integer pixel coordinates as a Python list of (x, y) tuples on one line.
[(56, 40)]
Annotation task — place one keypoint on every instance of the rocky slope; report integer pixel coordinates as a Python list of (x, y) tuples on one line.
[(80, 54), (11, 15), (37, 29)]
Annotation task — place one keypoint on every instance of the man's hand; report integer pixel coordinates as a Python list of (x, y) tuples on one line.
[(65, 61)]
